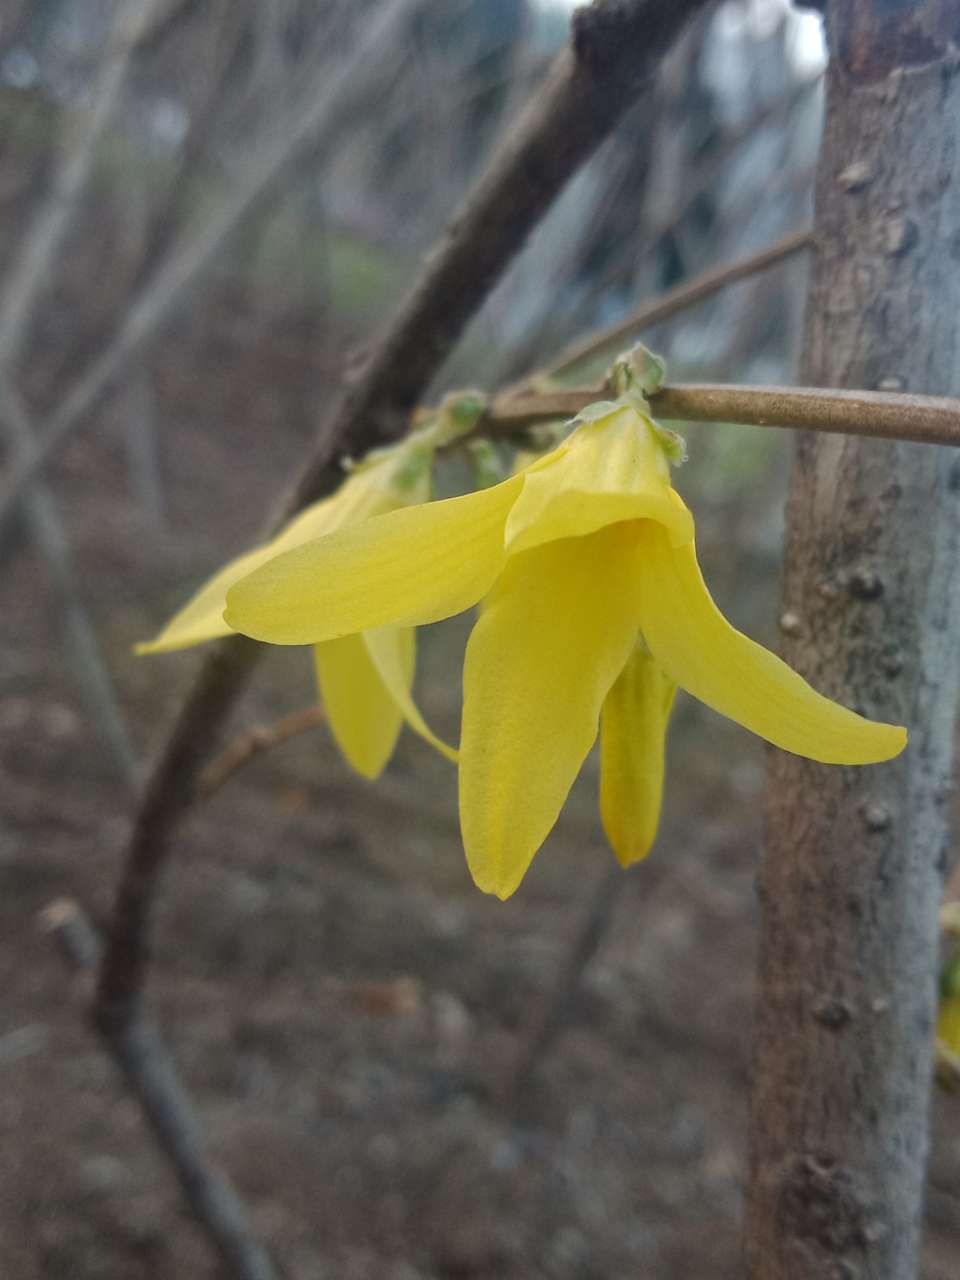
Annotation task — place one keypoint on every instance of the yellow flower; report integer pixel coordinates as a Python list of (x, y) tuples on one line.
[(364, 679), (594, 610)]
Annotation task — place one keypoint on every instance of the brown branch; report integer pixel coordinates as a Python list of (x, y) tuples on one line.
[(257, 740), (885, 415), (152, 1078), (665, 307), (615, 47)]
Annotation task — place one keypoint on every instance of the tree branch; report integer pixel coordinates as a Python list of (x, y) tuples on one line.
[(884, 415), (31, 266), (664, 307), (21, 289), (318, 122), (151, 1076), (250, 744)]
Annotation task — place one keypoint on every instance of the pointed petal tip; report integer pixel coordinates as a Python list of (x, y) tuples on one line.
[(146, 648), (501, 889), (628, 852), (370, 773)]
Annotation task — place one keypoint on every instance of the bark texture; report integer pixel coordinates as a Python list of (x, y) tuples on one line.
[(851, 878)]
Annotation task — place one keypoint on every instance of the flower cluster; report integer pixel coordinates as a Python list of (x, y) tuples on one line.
[(593, 612)]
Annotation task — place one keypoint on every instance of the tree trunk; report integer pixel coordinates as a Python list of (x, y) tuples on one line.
[(850, 882)]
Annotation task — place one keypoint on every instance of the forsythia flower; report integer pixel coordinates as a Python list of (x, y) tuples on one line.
[(364, 679), (594, 611)]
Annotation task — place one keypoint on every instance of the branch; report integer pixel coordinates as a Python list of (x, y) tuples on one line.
[(20, 291), (257, 740), (614, 50), (96, 686), (320, 121), (665, 307), (152, 1078), (31, 266), (884, 415), (707, 171)]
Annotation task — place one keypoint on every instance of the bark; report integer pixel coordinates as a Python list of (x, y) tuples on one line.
[(851, 878)]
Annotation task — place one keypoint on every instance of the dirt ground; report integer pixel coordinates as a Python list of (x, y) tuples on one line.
[(344, 1006)]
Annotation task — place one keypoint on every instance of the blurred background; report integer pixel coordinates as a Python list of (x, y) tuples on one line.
[(404, 1078)]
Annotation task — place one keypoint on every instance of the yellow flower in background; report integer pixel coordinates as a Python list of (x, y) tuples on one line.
[(594, 610), (948, 1013), (364, 679), (948, 1016)]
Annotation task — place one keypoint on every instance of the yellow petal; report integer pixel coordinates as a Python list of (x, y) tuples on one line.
[(201, 618), (697, 647), (610, 470), (633, 729), (554, 634), (408, 568), (363, 716), (361, 496), (392, 652)]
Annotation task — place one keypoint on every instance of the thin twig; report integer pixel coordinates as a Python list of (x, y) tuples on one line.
[(320, 121), (885, 415), (666, 306), (615, 47), (704, 174), (250, 744), (152, 1078)]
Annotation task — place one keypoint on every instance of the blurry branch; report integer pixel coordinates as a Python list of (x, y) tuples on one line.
[(340, 95), (614, 49), (31, 266), (701, 178), (664, 307), (151, 1077), (21, 290), (883, 415), (167, 16), (46, 528), (250, 744)]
